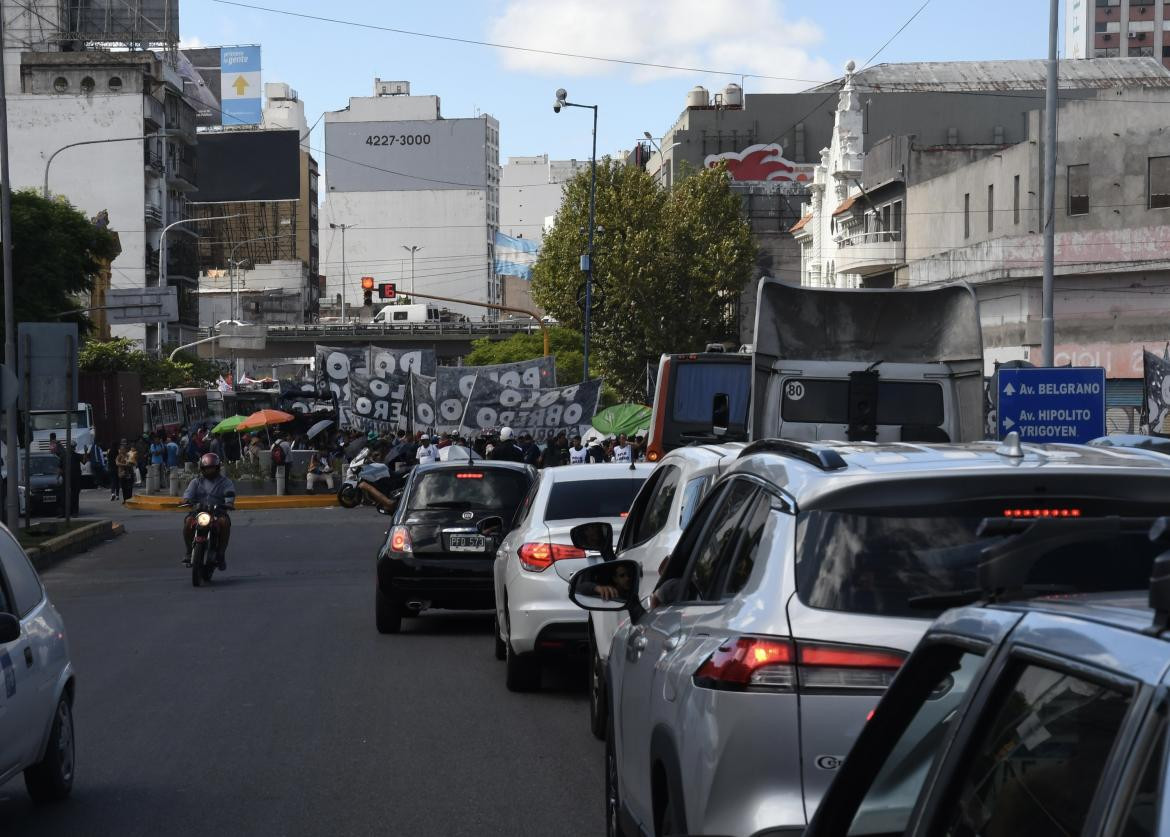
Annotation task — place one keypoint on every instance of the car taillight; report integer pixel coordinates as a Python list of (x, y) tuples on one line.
[(400, 540), (538, 557), (779, 665)]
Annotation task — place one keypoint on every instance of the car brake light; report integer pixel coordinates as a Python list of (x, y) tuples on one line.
[(779, 665), (538, 557), (471, 475), (400, 540), (1041, 512)]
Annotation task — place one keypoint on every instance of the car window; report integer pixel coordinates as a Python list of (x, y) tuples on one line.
[(715, 547), (526, 505), (638, 508), (1036, 765), (469, 488), (743, 560), (658, 506), (692, 494), (890, 798), (591, 498), (1141, 819), (23, 583)]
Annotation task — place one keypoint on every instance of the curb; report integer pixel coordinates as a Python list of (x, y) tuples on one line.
[(160, 502), (71, 543)]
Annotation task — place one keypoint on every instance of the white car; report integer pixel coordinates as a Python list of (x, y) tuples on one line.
[(36, 681), (657, 516), (534, 563)]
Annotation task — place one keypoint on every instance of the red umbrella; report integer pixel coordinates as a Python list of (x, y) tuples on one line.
[(263, 418)]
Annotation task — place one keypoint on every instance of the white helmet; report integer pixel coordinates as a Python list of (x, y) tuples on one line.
[(505, 434)]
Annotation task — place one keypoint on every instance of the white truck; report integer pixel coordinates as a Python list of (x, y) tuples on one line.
[(408, 315), (44, 423)]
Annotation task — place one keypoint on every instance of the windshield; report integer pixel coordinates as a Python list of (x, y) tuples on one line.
[(695, 386), (875, 561), (592, 498), (44, 466), (56, 421), (469, 488)]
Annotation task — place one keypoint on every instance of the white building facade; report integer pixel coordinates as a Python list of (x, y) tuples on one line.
[(412, 198)]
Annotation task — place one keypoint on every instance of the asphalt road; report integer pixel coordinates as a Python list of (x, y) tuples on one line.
[(268, 704)]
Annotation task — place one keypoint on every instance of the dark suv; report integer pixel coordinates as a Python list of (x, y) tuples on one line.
[(442, 543)]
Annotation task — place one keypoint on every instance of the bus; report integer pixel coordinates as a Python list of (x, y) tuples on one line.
[(699, 398)]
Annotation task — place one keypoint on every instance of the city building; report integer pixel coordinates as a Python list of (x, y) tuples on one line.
[(412, 198), (1117, 29), (531, 191), (258, 199)]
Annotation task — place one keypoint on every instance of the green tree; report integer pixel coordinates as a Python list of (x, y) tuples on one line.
[(564, 343), (668, 266), (56, 255), (121, 355)]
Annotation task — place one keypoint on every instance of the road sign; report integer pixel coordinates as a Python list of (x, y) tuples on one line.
[(142, 305), (47, 360), (1052, 405), (242, 337), (387, 290), (9, 388)]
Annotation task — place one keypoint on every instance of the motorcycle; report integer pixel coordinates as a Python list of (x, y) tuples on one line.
[(205, 544), (363, 475)]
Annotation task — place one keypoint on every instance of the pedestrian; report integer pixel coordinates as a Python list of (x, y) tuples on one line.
[(320, 468), (622, 452), (126, 461), (531, 450), (141, 457), (55, 447), (506, 449), (596, 451), (75, 481), (279, 451), (428, 451), (557, 451), (112, 472), (172, 447), (158, 456), (577, 453)]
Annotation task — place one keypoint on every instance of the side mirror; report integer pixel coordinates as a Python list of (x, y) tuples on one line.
[(612, 585), (492, 526), (720, 414), (9, 628), (597, 537)]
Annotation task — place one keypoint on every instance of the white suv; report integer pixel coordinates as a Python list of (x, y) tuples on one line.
[(657, 517), (36, 692), (535, 562)]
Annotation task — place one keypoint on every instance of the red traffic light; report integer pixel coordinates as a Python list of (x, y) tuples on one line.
[(367, 283), (387, 290)]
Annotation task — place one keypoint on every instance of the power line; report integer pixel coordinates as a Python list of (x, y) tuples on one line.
[(890, 40), (517, 47)]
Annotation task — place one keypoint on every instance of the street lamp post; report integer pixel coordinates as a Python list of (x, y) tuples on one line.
[(662, 156), (233, 295), (162, 250), (587, 259), (344, 277), (49, 162), (414, 248), (232, 260)]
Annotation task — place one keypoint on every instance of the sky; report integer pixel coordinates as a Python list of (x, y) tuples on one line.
[(800, 44)]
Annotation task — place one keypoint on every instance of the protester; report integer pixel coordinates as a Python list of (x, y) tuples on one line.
[(577, 453), (320, 468), (530, 449), (505, 449), (428, 451), (127, 462), (622, 452), (596, 452)]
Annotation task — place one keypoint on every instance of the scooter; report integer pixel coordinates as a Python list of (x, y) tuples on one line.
[(205, 545), (363, 473)]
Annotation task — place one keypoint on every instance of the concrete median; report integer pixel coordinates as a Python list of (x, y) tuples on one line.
[(162, 502)]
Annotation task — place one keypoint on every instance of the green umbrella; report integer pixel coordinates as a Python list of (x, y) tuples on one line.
[(622, 418), (228, 425)]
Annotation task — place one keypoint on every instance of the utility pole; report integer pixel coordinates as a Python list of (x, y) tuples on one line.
[(344, 277), (12, 460), (1047, 324)]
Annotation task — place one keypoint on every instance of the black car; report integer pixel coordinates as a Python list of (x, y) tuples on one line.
[(46, 485), (439, 550)]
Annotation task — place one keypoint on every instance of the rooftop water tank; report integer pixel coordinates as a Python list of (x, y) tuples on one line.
[(698, 97), (733, 95)]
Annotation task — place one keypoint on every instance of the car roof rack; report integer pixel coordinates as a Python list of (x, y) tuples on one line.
[(824, 458)]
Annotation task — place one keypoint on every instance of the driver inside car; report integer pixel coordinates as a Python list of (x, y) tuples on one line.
[(213, 489)]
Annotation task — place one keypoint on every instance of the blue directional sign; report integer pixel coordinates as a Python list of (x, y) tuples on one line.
[(1052, 405)]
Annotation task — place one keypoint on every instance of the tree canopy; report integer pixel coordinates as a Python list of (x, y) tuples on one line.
[(121, 355), (668, 266), (56, 255), (564, 343)]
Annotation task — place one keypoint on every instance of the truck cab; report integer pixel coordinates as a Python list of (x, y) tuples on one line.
[(879, 365), (44, 423)]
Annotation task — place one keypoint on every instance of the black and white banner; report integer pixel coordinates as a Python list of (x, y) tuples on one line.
[(541, 412), (384, 362), (368, 373), (1157, 400), (334, 366), (379, 402)]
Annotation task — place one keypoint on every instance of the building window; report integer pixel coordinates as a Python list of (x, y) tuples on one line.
[(1159, 186), (1099, 26), (1113, 52), (115, 84), (990, 207), (87, 85), (60, 84), (1078, 189), (967, 215), (1142, 52), (1016, 199)]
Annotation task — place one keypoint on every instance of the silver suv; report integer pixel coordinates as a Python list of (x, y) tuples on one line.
[(796, 591)]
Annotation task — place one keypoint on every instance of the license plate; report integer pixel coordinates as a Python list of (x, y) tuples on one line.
[(49, 496), (467, 543)]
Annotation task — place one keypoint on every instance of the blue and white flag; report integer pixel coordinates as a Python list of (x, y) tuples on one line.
[(515, 256)]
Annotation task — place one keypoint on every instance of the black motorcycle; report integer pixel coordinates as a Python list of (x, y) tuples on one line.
[(205, 544)]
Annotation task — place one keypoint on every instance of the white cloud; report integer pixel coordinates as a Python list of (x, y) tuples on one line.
[(194, 42), (736, 36)]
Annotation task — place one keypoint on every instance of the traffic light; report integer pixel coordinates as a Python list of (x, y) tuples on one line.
[(387, 290), (367, 290)]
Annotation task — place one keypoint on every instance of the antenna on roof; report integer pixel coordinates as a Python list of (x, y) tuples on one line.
[(1011, 446)]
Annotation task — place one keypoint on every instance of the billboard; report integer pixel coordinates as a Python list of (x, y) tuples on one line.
[(406, 155), (223, 84), (248, 166), (122, 21)]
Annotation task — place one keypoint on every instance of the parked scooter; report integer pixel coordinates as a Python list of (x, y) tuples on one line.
[(362, 474)]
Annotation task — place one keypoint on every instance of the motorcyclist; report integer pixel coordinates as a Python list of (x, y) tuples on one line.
[(213, 489)]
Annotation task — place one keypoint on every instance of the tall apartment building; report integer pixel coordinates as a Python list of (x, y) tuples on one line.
[(1118, 29), (410, 191)]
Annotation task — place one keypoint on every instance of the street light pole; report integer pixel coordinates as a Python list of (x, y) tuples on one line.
[(344, 276), (662, 156), (587, 259), (49, 162), (414, 248), (1048, 290), (12, 460), (162, 250)]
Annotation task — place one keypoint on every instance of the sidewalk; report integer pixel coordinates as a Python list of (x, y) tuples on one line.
[(164, 502)]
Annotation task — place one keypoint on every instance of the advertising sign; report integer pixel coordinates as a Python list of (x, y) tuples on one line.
[(394, 156), (761, 163), (239, 85), (1052, 405)]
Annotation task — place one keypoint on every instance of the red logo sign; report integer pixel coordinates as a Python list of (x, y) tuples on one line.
[(761, 163)]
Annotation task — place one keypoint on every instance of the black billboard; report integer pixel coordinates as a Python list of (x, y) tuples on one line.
[(248, 166)]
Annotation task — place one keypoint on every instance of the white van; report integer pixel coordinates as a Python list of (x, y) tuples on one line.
[(407, 315)]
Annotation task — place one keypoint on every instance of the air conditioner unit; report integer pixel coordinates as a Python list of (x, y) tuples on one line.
[(1133, 36)]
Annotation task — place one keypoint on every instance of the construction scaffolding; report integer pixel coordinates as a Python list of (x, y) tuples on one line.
[(135, 23)]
